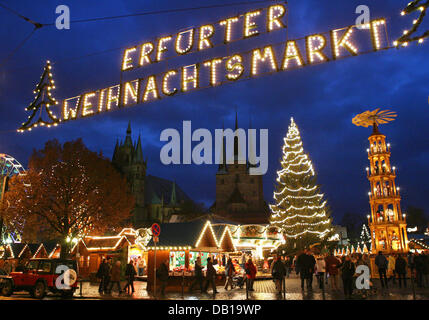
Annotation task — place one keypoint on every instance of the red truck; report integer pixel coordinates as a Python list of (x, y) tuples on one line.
[(40, 276)]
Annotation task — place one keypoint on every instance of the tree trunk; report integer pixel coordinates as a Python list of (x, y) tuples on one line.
[(65, 249)]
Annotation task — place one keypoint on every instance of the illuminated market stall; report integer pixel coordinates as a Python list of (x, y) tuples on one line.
[(180, 244), (257, 239)]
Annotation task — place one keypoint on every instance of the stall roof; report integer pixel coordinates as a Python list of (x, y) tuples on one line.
[(13, 250), (179, 234)]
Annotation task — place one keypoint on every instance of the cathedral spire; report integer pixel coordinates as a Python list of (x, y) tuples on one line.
[(252, 151), (128, 141), (173, 194), (222, 160), (236, 137), (129, 128), (139, 151)]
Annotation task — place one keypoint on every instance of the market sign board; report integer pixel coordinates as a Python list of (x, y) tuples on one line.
[(312, 49)]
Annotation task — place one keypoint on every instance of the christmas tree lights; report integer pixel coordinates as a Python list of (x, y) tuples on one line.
[(43, 101), (365, 238), (300, 210)]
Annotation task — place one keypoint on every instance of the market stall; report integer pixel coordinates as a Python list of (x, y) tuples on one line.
[(91, 250), (180, 244)]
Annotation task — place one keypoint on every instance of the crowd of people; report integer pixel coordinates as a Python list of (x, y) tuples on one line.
[(391, 269), (233, 277), (109, 274)]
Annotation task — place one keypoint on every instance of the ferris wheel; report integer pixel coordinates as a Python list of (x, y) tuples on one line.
[(9, 166)]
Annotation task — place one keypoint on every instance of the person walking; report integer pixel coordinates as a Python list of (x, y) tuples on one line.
[(162, 275), (419, 266), (140, 268), (311, 268), (102, 274), (251, 273), (320, 270), (306, 264), (130, 273), (382, 263), (410, 261), (229, 273), (332, 264), (278, 273), (198, 276), (401, 270), (210, 276), (288, 266), (116, 277), (391, 268), (347, 272)]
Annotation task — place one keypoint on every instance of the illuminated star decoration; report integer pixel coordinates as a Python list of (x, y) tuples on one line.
[(42, 101), (407, 36), (369, 118)]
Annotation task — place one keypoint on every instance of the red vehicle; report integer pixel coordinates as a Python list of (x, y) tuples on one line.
[(40, 276)]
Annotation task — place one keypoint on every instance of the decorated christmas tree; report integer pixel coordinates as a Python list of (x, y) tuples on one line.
[(42, 103), (365, 237), (300, 210)]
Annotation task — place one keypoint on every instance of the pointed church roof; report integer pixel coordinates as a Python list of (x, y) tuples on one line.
[(128, 140), (173, 194), (155, 199), (163, 189), (139, 151), (223, 168), (236, 138), (252, 153)]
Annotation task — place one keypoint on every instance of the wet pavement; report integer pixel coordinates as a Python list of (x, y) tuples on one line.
[(263, 290)]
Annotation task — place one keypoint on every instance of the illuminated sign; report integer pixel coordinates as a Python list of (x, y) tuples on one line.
[(269, 59)]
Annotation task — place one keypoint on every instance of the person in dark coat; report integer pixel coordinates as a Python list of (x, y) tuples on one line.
[(347, 273), (401, 270), (130, 273), (229, 273), (278, 273), (288, 266), (305, 265), (102, 274), (422, 269), (382, 263), (162, 275), (410, 260), (210, 276), (198, 276)]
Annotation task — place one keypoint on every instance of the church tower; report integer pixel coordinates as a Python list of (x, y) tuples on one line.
[(128, 159), (239, 195), (387, 223)]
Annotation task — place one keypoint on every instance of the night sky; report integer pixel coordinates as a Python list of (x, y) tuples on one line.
[(323, 99)]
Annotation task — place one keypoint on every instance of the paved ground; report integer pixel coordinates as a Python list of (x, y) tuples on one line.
[(264, 290)]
